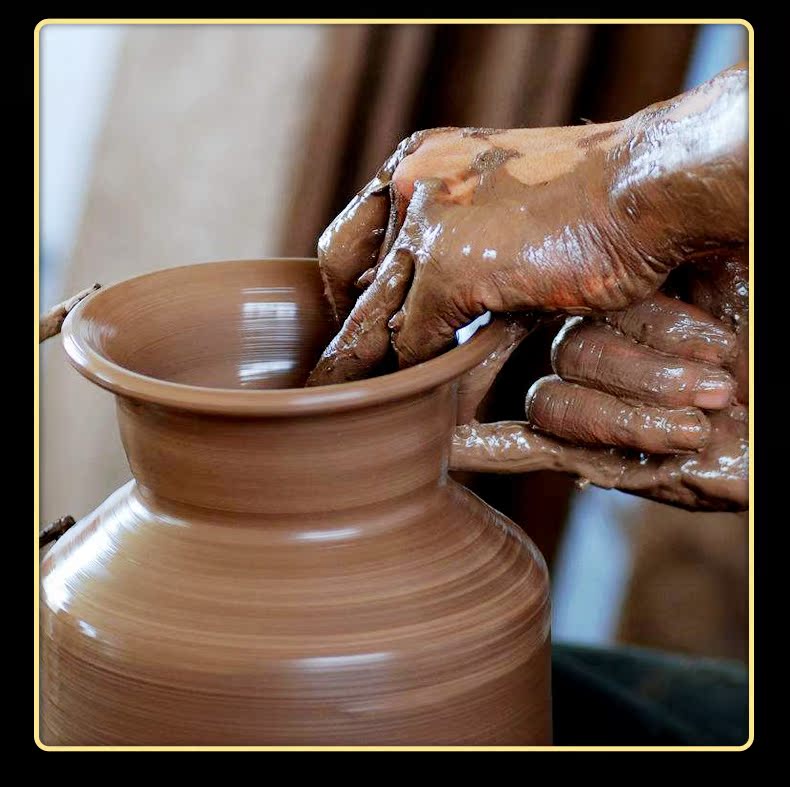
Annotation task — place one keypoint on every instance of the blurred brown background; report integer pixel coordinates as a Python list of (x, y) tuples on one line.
[(163, 145)]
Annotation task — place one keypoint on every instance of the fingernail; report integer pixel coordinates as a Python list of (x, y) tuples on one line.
[(714, 391)]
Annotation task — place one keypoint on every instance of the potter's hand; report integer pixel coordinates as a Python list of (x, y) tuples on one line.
[(638, 378), (654, 379), (651, 400), (463, 221)]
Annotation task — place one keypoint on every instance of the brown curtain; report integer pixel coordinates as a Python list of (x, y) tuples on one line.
[(383, 82)]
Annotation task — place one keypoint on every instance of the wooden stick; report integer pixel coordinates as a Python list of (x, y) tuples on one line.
[(54, 530), (50, 323)]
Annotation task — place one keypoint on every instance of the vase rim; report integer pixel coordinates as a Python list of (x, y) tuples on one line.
[(93, 364)]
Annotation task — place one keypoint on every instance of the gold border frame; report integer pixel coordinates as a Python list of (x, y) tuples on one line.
[(36, 464)]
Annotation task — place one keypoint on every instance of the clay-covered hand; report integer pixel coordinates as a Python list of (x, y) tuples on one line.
[(651, 399), (640, 378), (655, 379), (590, 218)]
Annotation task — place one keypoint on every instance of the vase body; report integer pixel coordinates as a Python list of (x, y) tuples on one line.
[(293, 574)]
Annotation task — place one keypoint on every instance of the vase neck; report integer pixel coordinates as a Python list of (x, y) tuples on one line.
[(281, 465)]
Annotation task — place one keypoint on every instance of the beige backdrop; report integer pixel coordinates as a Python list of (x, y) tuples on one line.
[(202, 131)]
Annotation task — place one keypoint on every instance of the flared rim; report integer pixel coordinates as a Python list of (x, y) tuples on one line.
[(97, 367)]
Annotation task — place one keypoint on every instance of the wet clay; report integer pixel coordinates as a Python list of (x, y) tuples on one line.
[(580, 219), (289, 565)]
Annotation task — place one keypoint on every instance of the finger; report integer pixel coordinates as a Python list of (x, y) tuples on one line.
[(399, 205), (350, 245), (361, 236), (426, 325), (677, 328), (364, 339), (397, 216), (513, 447), (431, 313), (596, 355), (590, 417), (504, 447)]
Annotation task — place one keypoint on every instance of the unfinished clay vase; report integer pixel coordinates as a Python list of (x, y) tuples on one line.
[(289, 565)]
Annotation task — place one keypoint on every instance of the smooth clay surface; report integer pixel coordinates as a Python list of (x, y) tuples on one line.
[(290, 565)]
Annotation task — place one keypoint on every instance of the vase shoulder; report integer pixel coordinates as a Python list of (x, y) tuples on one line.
[(428, 603)]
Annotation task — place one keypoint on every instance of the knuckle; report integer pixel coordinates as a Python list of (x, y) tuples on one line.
[(623, 426), (481, 297), (693, 431)]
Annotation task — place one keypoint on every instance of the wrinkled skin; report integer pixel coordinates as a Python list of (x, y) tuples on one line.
[(586, 220)]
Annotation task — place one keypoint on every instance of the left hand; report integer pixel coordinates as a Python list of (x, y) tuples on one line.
[(638, 379)]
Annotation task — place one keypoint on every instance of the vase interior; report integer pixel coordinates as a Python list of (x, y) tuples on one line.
[(230, 325)]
